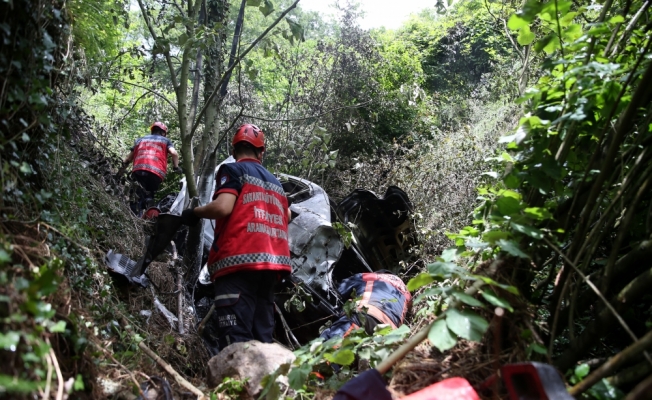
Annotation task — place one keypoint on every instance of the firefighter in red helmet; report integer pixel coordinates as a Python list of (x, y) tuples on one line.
[(150, 157), (250, 252)]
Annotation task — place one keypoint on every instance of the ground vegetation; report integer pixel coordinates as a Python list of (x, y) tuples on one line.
[(520, 131)]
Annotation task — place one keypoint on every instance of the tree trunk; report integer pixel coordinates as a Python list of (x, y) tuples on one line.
[(205, 162)]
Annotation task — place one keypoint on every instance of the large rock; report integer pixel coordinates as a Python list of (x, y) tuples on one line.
[(251, 360)]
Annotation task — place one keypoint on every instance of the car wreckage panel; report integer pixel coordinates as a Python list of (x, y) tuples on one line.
[(382, 227)]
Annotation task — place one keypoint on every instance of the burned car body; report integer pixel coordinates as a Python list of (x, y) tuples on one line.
[(382, 233)]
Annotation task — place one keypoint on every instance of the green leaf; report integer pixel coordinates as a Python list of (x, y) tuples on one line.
[(538, 213), (183, 38), (530, 10), (466, 299), (4, 257), (296, 29), (25, 168), (603, 390), (572, 33), (466, 324), (508, 205), (525, 36), (537, 348), (450, 254), (493, 299), (253, 3), (489, 281), (512, 248), (442, 269), (10, 384), (511, 181), (419, 281), (567, 19), (267, 8), (582, 370), (58, 327), (341, 357), (493, 236), (527, 230), (515, 22), (9, 340), (440, 336), (618, 19), (298, 376), (79, 383), (548, 43)]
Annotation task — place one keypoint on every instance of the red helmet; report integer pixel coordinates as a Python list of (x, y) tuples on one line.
[(251, 134), (158, 124)]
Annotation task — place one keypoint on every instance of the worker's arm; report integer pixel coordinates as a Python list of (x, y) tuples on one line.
[(221, 207), (289, 215), (175, 156), (129, 157)]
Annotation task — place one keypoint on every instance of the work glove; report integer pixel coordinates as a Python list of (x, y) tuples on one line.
[(189, 218), (178, 169)]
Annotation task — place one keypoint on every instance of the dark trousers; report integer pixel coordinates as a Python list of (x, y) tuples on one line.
[(149, 184), (244, 307)]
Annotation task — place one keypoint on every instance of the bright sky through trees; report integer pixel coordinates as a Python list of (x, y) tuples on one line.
[(387, 13)]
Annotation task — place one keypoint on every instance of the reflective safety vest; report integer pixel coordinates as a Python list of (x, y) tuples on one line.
[(383, 296), (254, 236), (151, 154)]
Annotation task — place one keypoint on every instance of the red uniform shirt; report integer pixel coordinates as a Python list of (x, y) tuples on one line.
[(254, 236), (151, 154)]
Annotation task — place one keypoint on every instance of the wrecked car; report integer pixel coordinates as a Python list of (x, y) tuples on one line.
[(378, 231)]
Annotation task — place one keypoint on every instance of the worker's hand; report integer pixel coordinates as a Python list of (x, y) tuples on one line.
[(178, 170), (189, 217)]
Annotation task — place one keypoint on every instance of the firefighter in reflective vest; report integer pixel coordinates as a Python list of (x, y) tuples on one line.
[(384, 300), (250, 252), (150, 157)]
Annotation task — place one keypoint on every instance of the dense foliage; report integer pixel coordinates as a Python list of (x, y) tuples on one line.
[(521, 133)]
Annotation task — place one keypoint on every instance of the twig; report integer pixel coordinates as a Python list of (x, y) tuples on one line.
[(167, 367), (179, 287), (46, 392), (129, 373), (118, 363), (53, 357), (613, 363), (310, 117), (65, 236), (200, 328), (155, 93), (597, 292)]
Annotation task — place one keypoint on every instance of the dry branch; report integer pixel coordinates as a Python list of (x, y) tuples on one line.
[(167, 367), (613, 363), (641, 391), (631, 374)]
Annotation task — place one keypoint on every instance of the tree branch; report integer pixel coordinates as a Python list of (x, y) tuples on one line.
[(143, 11), (310, 117), (594, 288), (237, 62), (147, 89), (614, 362)]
